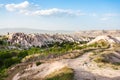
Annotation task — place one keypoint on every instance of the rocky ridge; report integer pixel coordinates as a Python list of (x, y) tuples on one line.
[(108, 39), (38, 40)]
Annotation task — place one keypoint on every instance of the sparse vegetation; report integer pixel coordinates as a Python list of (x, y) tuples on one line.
[(99, 59), (104, 59), (9, 57), (14, 56), (100, 44), (62, 74)]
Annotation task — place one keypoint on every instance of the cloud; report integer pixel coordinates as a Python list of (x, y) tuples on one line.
[(26, 9), (56, 11), (14, 7), (104, 19), (111, 14), (52, 12), (25, 12)]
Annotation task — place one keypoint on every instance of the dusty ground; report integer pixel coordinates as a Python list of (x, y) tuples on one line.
[(84, 69)]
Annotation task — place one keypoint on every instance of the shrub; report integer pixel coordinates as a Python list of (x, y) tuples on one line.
[(3, 74), (63, 74), (38, 63), (22, 54), (10, 61), (99, 59)]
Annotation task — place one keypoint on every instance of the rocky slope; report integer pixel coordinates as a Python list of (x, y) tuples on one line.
[(28, 40), (85, 68), (109, 40)]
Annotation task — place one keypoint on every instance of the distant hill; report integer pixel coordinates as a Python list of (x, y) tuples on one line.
[(95, 33), (87, 33), (28, 30)]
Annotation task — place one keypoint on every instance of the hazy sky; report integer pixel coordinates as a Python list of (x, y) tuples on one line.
[(60, 14)]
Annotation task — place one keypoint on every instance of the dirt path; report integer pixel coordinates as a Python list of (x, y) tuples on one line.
[(80, 65), (85, 69)]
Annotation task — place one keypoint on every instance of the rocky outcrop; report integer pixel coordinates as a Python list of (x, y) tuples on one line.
[(108, 39), (28, 40)]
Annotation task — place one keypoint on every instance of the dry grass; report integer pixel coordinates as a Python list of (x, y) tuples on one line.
[(104, 58), (62, 74)]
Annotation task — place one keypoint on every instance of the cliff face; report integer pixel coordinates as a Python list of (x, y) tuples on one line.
[(28, 40)]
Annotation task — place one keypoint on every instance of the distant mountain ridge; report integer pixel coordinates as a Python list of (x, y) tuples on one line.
[(95, 33), (89, 33), (29, 30)]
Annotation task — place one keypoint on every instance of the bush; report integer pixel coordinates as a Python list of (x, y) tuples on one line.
[(22, 54), (1, 42), (38, 63), (10, 61), (3, 74)]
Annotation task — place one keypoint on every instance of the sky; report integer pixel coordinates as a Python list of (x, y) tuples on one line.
[(60, 14)]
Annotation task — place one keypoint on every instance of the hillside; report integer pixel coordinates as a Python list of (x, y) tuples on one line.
[(59, 56)]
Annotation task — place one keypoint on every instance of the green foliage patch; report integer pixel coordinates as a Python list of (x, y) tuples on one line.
[(9, 57)]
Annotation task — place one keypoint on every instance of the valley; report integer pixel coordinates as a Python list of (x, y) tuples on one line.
[(59, 56)]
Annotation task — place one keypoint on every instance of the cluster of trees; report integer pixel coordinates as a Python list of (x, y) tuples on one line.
[(59, 48), (8, 58)]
